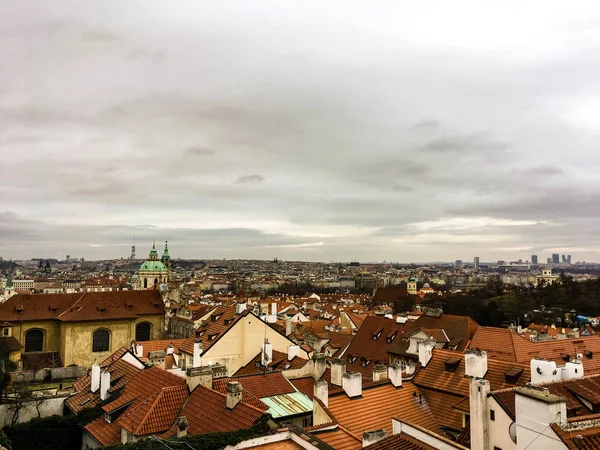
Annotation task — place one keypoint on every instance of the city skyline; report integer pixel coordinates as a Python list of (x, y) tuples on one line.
[(327, 132)]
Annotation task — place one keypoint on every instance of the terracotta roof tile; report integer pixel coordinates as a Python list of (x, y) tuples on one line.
[(157, 413), (260, 385), (206, 412), (378, 405), (340, 438), (399, 442)]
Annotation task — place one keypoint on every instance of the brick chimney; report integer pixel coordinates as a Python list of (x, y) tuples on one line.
[(199, 375), (379, 372), (321, 391), (338, 369), (395, 374), (234, 394), (372, 436), (104, 385), (197, 353), (352, 384), (476, 365), (95, 377)]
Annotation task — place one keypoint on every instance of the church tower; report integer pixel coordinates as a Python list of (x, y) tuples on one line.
[(166, 258)]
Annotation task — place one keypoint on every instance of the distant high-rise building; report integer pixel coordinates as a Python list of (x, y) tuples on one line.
[(549, 260), (564, 259), (534, 259), (555, 258), (568, 259), (458, 263), (476, 264)]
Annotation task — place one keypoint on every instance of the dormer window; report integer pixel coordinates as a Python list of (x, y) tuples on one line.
[(589, 354), (512, 375), (452, 364), (227, 321), (375, 335), (364, 362), (107, 417), (212, 337), (391, 336), (351, 358), (215, 317)]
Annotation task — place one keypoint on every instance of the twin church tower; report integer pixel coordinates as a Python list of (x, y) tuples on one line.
[(154, 271)]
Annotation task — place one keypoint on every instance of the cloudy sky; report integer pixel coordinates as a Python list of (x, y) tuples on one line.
[(312, 130)]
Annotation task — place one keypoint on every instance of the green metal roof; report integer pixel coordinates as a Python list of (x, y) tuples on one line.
[(153, 266), (288, 404)]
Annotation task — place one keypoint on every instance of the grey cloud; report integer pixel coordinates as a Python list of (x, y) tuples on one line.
[(250, 179), (199, 151), (464, 143), (545, 170), (426, 124), (401, 188)]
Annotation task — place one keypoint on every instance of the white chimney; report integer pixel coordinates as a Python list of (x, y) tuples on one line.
[(352, 384), (320, 365), (293, 351), (104, 385), (536, 409), (95, 377), (338, 370), (199, 375), (476, 365), (379, 372), (170, 349), (274, 309), (267, 353), (321, 391), (479, 390), (240, 308), (139, 350), (425, 349), (197, 353), (395, 374), (372, 436), (234, 394)]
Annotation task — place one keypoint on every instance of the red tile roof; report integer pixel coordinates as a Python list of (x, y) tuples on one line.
[(340, 438), (378, 405), (280, 362), (399, 442), (506, 345), (81, 306), (156, 414), (261, 385), (206, 412)]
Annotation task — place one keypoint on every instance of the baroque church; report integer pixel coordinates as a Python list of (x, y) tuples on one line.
[(154, 271)]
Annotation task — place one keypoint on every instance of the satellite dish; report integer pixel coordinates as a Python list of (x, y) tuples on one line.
[(512, 432)]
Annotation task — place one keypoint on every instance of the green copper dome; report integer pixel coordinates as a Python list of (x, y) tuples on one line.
[(153, 266)]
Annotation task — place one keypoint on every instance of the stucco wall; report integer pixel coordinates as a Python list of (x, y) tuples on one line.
[(47, 407), (498, 429)]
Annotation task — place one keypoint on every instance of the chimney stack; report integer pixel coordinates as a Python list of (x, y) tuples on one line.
[(352, 384), (139, 350), (104, 385), (479, 390), (197, 353), (288, 326), (274, 309), (95, 377), (320, 365), (182, 427), (379, 372), (425, 349), (267, 353), (321, 391), (240, 308), (476, 363), (199, 375), (293, 351), (372, 436), (234, 394), (338, 370), (395, 375)]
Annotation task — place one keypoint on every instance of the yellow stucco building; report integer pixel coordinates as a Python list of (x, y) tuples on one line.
[(81, 328)]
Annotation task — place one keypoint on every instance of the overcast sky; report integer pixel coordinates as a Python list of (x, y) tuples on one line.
[(312, 130)]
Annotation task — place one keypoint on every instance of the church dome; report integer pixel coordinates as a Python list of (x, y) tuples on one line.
[(153, 266)]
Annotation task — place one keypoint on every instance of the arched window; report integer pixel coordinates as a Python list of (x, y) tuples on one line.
[(142, 331), (101, 341), (145, 283), (34, 341), (156, 281)]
